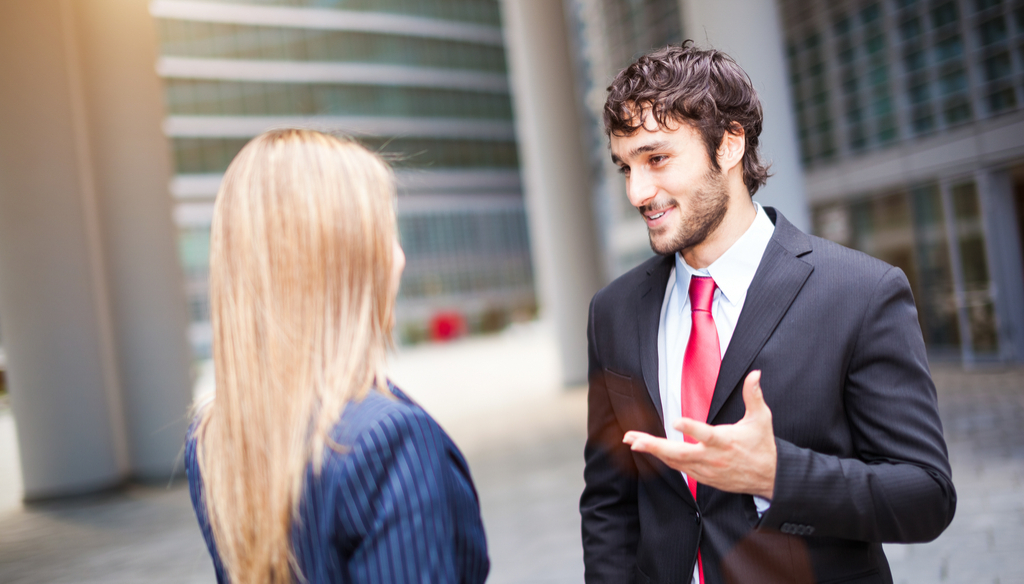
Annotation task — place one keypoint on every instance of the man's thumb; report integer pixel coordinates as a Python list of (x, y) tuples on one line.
[(753, 398)]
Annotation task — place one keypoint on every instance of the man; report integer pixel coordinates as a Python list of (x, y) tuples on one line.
[(760, 405)]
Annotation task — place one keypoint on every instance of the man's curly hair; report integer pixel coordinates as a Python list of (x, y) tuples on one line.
[(703, 88)]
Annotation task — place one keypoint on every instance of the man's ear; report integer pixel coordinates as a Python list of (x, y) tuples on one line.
[(731, 149)]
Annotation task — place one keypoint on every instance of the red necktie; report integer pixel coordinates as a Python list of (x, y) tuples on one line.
[(701, 363)]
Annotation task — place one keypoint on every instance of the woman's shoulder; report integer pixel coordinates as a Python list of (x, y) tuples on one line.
[(191, 444), (382, 418)]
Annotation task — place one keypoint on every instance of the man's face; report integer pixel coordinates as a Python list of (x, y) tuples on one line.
[(670, 180)]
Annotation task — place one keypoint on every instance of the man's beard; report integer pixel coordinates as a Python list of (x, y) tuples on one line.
[(709, 203)]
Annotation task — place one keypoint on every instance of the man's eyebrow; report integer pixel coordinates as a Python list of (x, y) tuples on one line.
[(649, 147), (642, 149)]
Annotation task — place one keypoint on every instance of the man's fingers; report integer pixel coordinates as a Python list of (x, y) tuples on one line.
[(699, 431), (639, 441), (643, 442), (664, 449), (669, 451), (632, 436)]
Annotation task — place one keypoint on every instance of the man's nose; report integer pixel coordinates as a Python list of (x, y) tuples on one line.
[(640, 189)]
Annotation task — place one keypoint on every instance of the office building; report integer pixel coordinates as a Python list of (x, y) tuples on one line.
[(912, 136), (911, 141), (424, 83)]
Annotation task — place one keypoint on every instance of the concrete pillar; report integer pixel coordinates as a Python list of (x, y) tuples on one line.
[(133, 167), (554, 166), (750, 31), (90, 290)]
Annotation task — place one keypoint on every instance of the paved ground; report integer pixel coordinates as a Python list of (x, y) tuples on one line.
[(526, 459), (983, 417)]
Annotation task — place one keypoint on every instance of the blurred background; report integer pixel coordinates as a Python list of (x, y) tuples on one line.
[(895, 127)]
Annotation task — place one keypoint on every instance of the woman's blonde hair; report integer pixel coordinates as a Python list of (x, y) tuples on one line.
[(301, 307)]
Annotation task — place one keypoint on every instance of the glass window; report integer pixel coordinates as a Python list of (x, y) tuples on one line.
[(870, 14), (857, 139), (209, 155), (842, 26), (910, 29), (203, 97), (944, 14), (949, 48), (854, 114), (998, 66), (886, 130), (936, 297), (923, 120), (477, 11), (980, 5), (463, 252), (847, 55), (915, 61), (881, 227), (233, 41), (919, 93), (992, 31), (875, 44), (953, 81), (882, 106), (978, 299), (1001, 99), (833, 223), (956, 110), (879, 76), (850, 82)]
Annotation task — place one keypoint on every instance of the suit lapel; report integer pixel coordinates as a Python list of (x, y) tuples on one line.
[(651, 296), (778, 280)]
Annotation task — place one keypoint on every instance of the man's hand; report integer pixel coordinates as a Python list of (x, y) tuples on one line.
[(739, 458)]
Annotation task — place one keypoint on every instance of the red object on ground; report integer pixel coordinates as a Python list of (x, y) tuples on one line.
[(447, 325)]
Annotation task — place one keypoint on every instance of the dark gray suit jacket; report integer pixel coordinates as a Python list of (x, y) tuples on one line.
[(861, 457)]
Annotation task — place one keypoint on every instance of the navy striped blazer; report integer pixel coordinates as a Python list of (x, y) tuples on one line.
[(398, 506)]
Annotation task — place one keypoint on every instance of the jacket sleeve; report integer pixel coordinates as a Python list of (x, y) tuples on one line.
[(898, 486), (610, 519), (393, 503), (198, 495)]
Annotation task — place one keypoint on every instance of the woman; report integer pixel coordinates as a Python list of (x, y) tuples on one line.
[(307, 466)]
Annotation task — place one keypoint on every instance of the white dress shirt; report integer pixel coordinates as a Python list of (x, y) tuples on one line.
[(732, 272)]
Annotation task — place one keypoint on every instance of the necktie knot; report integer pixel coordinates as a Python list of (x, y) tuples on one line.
[(702, 292)]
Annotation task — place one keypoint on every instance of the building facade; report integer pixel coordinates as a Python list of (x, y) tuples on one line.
[(912, 135), (910, 138), (423, 83)]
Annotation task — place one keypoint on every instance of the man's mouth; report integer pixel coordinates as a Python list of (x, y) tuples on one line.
[(653, 217)]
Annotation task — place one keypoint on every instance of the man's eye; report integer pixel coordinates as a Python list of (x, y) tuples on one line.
[(657, 159), (624, 170)]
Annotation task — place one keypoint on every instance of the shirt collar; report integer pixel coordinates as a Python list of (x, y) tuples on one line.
[(734, 270)]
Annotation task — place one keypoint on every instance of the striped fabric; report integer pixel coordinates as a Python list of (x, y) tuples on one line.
[(399, 506)]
